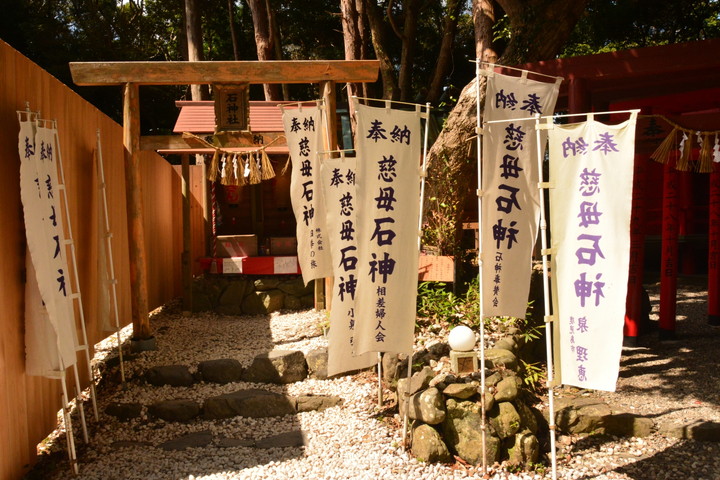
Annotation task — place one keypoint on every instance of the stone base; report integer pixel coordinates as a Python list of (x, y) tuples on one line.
[(463, 362)]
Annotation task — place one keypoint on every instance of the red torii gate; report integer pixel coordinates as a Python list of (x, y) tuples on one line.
[(680, 79)]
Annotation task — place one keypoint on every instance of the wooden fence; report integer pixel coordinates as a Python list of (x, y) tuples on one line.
[(28, 405)]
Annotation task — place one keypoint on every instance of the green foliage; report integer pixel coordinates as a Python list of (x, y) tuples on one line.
[(611, 25), (533, 375), (438, 307)]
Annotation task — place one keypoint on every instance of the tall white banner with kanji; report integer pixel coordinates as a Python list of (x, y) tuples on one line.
[(338, 183), (388, 193), (591, 177), (50, 335), (510, 198), (304, 129)]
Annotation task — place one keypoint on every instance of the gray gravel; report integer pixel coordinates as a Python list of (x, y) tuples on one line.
[(674, 383)]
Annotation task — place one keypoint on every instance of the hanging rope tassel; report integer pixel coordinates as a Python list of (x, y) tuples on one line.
[(285, 168), (214, 163), (686, 146), (662, 154), (254, 170), (705, 159), (267, 169)]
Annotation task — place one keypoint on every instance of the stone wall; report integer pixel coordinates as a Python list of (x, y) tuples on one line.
[(251, 294)]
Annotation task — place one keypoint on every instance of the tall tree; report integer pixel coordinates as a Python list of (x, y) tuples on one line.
[(408, 39), (264, 41), (445, 57), (193, 31), (379, 41), (539, 30)]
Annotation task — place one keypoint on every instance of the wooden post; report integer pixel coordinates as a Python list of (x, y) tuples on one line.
[(136, 230), (187, 239), (714, 248), (633, 304), (668, 266), (322, 298)]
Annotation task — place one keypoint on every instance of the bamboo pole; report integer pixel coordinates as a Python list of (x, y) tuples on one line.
[(111, 263), (478, 133)]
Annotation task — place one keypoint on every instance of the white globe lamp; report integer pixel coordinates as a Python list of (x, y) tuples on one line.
[(461, 339)]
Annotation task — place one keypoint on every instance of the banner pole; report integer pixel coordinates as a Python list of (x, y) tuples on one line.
[(69, 435), (546, 296), (76, 274), (379, 374), (423, 174), (478, 133), (110, 262)]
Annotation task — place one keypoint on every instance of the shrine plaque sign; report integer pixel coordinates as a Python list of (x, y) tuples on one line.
[(232, 107)]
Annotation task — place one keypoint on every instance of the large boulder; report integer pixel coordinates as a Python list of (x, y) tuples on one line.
[(461, 391), (505, 420), (223, 370), (252, 403), (235, 292), (427, 406), (173, 375), (506, 390), (523, 449), (419, 381), (277, 366), (499, 357), (428, 445), (629, 425), (463, 432)]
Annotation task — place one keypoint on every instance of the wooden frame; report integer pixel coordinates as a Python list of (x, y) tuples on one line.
[(133, 74)]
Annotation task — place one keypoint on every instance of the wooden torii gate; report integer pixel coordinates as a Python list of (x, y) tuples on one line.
[(133, 74)]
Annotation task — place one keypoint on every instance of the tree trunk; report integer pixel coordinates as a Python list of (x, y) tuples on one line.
[(484, 19), (351, 36), (233, 34), (539, 30), (351, 39), (411, 10), (363, 40), (387, 69), (442, 67), (193, 31), (264, 41)]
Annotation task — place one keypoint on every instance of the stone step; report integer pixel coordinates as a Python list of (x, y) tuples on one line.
[(275, 366), (250, 403), (205, 438)]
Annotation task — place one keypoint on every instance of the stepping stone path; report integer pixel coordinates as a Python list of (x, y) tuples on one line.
[(277, 366)]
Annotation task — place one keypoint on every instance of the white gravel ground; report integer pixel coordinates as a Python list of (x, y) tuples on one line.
[(675, 383)]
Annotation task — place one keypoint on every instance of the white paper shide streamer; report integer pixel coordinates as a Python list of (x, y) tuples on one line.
[(304, 133), (510, 201), (591, 170), (388, 189), (338, 183)]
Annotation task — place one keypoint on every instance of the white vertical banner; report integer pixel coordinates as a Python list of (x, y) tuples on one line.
[(388, 193), (510, 198), (304, 129), (591, 173), (51, 337), (338, 184)]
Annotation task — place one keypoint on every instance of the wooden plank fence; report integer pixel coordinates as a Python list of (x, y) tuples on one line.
[(29, 404)]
